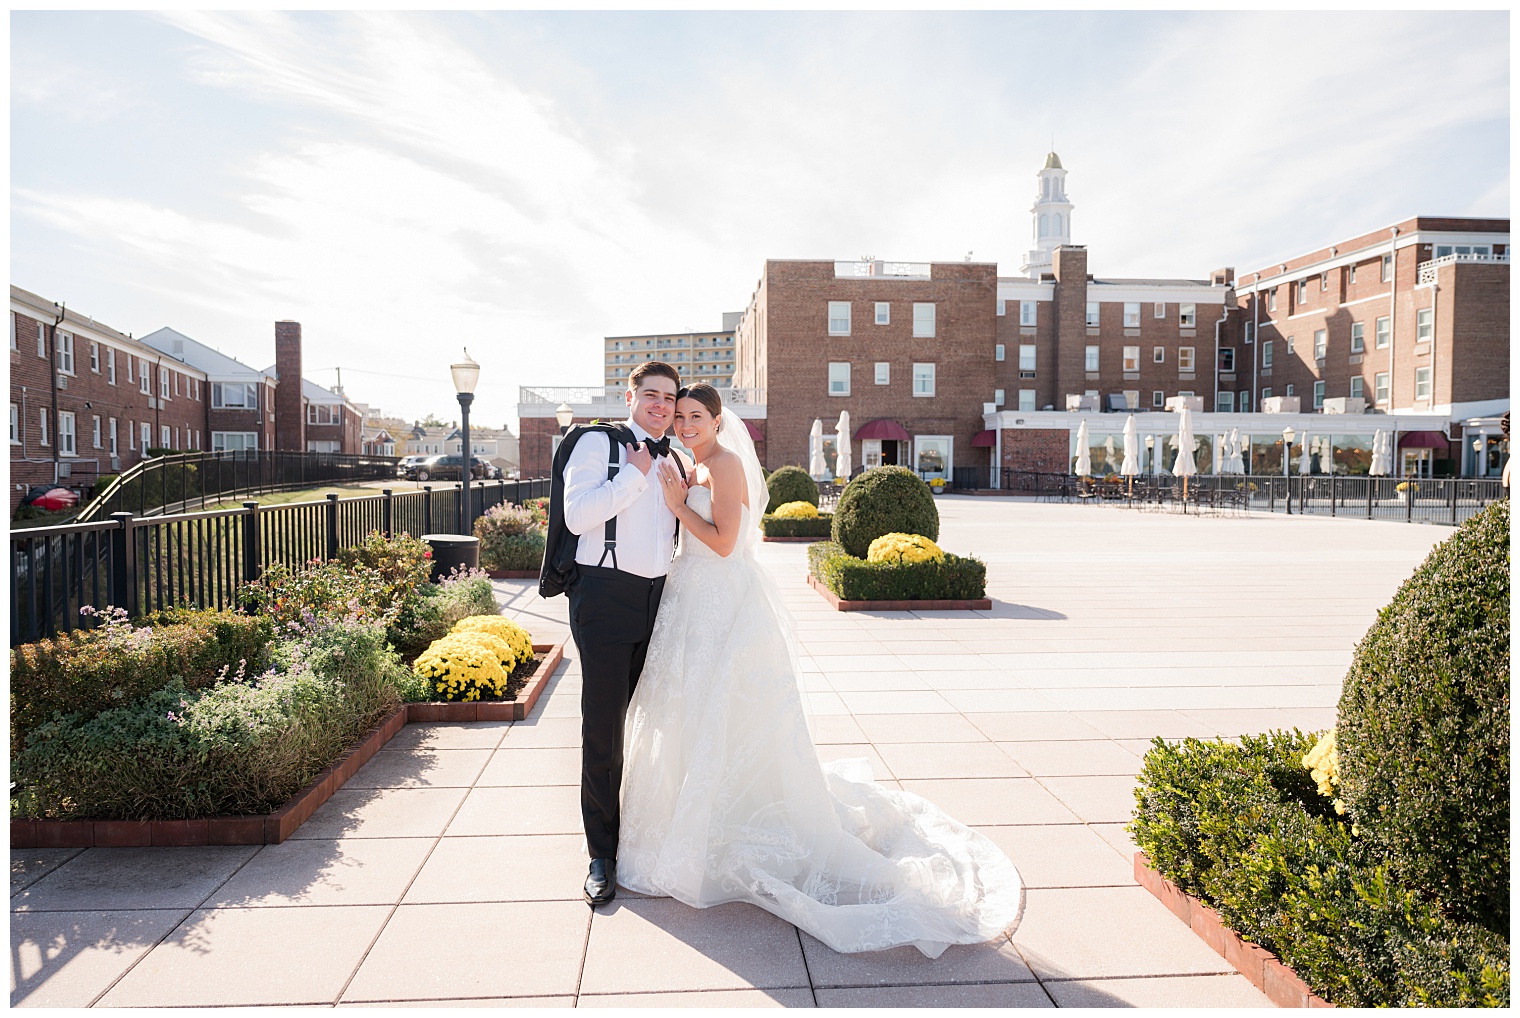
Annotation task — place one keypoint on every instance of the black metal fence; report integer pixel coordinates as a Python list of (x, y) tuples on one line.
[(200, 559), (193, 480)]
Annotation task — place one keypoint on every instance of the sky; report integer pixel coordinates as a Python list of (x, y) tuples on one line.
[(523, 184)]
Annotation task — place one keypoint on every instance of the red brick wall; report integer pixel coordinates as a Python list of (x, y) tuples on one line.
[(289, 414), (1043, 450), (1473, 332), (535, 443)]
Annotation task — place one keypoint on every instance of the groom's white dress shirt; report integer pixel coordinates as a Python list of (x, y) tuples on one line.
[(646, 528)]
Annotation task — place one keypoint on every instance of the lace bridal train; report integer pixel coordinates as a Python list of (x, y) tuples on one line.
[(724, 797)]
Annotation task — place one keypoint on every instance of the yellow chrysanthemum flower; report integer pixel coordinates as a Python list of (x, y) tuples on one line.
[(796, 511), (1323, 764), (898, 549), (516, 636)]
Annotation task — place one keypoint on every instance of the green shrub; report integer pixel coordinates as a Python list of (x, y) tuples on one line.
[(790, 484), (401, 564), (884, 500), (855, 579), (329, 590), (1243, 828), (816, 526), (242, 746), (1423, 731), (439, 607), (510, 538), (89, 670)]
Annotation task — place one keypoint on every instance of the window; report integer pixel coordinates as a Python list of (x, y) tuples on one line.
[(1324, 281), (1160, 310), (1184, 358), (1158, 355), (1266, 353), (1028, 312), (131, 436), (163, 383), (42, 424), (110, 365), (1092, 314), (1351, 273), (1288, 389), (41, 340), (1319, 344), (111, 435), (1026, 399), (1132, 358), (1272, 299), (883, 373), (1266, 394), (883, 313), (13, 333), (923, 321), (66, 446), (1290, 344), (839, 378), (1319, 394), (998, 396), (15, 415), (322, 413), (923, 378), (65, 352), (1026, 357), (1356, 386), (197, 383), (839, 318), (1227, 358), (1421, 383), (176, 384), (1002, 307), (999, 352), (95, 432), (1132, 316), (1224, 402), (234, 395), (1158, 398), (1245, 402), (1185, 392), (1380, 331), (1358, 337), (95, 357), (1303, 291), (1380, 387), (1250, 333), (236, 441), (1092, 358), (1424, 324), (143, 385), (1387, 267), (1187, 315), (163, 437)]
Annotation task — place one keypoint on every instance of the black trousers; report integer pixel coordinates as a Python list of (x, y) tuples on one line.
[(611, 617)]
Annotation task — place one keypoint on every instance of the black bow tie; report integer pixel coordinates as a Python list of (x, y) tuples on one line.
[(658, 446)]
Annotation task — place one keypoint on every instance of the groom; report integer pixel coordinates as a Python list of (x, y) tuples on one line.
[(625, 540)]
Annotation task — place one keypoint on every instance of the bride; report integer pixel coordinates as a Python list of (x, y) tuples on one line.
[(724, 798)]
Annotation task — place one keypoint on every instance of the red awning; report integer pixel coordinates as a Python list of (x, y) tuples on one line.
[(1423, 440), (984, 440), (883, 429), (754, 432)]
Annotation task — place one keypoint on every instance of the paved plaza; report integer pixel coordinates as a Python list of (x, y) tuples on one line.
[(448, 871)]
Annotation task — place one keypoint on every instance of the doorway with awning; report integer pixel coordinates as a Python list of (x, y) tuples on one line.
[(883, 442)]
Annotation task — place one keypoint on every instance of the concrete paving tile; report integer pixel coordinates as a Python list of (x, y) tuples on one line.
[(1103, 698), (823, 705), (1097, 799), (523, 948), (826, 644), (421, 768), (999, 995), (523, 867), (1243, 721), (114, 879), (252, 956), (1145, 724), (920, 648), (834, 728), (1193, 699), (1295, 697), (1220, 991), (355, 871), (544, 733), (923, 728), (1032, 726), (1309, 719), (29, 865), (438, 735), (551, 809), (511, 766), (1088, 756), (899, 702), (1062, 855), (567, 705), (858, 663), (943, 680), (1117, 837), (382, 813), (972, 701), (887, 679), (1084, 932), (846, 751), (661, 944), (563, 1001), (802, 997), (67, 959), (949, 760), (993, 962), (989, 801)]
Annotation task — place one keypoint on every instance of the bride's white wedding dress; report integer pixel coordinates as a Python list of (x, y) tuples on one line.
[(724, 798)]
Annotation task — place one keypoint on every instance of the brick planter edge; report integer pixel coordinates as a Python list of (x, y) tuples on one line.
[(1260, 966), (977, 604)]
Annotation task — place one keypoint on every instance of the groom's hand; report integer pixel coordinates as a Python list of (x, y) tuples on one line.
[(638, 456)]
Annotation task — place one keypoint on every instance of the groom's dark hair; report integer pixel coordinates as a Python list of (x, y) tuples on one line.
[(658, 368)]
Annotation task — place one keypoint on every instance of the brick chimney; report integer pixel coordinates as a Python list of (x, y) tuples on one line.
[(289, 420), (1070, 306)]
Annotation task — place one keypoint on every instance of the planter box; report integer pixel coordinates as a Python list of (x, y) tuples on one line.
[(273, 828), (512, 574), (794, 540), (1269, 975), (977, 604)]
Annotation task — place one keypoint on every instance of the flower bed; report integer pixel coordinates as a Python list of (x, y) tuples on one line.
[(949, 582), (817, 527), (512, 539)]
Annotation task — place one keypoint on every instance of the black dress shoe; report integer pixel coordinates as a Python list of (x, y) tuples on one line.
[(601, 882)]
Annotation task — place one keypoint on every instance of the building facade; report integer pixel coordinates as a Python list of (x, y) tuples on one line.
[(698, 356), (240, 410)]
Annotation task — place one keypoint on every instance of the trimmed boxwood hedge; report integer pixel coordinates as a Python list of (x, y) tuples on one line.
[(855, 579), (884, 500), (1243, 828), (1423, 732), (816, 526), (790, 484)]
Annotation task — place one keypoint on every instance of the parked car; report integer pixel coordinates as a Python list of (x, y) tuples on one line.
[(446, 468), (407, 463)]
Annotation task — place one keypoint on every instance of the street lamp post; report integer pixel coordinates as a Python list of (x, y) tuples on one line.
[(466, 373), (1288, 459), (565, 415)]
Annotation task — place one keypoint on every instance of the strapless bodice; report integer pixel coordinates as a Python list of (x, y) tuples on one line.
[(699, 500)]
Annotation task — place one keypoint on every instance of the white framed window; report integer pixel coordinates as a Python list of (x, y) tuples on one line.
[(65, 341), (1029, 312), (1185, 392), (883, 312), (923, 378), (67, 445), (234, 396), (1160, 310), (1387, 267), (1290, 344), (1380, 387), (1158, 398), (1092, 314), (1356, 386), (1132, 399), (999, 352), (42, 341), (322, 413), (163, 383), (95, 357), (999, 396), (1245, 401), (1266, 393), (111, 437), (1092, 359), (42, 423), (1158, 355), (144, 385), (146, 437), (1319, 394), (1320, 344), (15, 414), (1358, 337), (1288, 389), (1424, 324), (1132, 358), (111, 365), (839, 318), (1227, 358), (1224, 402), (1272, 299), (1026, 357), (1303, 291), (1266, 353), (131, 436), (923, 321), (1026, 399), (1002, 307), (1350, 273), (95, 433), (1250, 333), (883, 373), (1132, 315), (235, 441), (1187, 315), (1185, 358), (839, 378), (1324, 281), (1422, 383), (164, 438), (1381, 333), (176, 384), (14, 346)]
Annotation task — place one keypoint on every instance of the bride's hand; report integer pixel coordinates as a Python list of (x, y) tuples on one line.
[(672, 484)]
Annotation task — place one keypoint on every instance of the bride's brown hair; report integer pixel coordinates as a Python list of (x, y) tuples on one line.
[(707, 396)]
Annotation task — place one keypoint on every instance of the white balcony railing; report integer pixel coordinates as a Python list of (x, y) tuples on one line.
[(612, 395), (1427, 270)]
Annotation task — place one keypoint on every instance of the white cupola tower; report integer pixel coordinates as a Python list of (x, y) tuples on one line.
[(1051, 218)]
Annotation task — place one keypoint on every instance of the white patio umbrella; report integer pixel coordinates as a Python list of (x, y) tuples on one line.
[(1084, 455), (1183, 466), (817, 466), (842, 463), (1305, 465), (1237, 453), (1131, 464), (1110, 457), (1375, 467), (1221, 453)]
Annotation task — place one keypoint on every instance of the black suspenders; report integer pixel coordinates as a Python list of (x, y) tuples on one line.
[(609, 529)]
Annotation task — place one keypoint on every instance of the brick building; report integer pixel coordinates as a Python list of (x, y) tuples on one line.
[(240, 410), (89, 401)]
